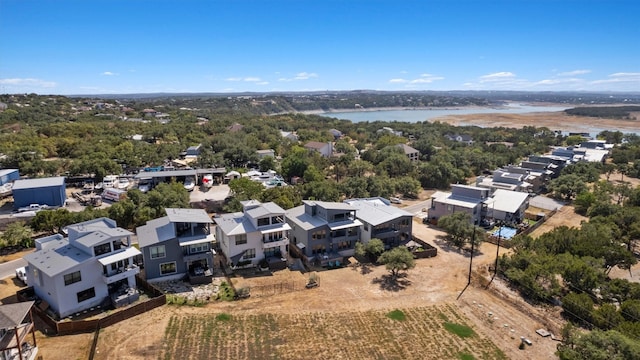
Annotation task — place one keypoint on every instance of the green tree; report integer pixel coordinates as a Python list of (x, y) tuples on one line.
[(396, 260), (17, 233), (245, 188), (578, 307), (600, 345), (567, 186), (460, 230), (372, 249)]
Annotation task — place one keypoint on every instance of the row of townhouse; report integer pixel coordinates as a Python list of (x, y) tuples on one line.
[(96, 264), (320, 232)]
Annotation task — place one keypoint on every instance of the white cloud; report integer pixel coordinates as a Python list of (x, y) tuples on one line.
[(620, 78), (262, 83), (39, 83), (423, 79), (499, 76), (245, 79), (300, 76), (109, 73), (305, 76), (574, 73)]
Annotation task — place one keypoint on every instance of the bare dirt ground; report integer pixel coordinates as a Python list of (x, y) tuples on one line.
[(550, 120), (434, 281)]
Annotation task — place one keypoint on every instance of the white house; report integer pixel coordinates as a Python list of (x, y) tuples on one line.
[(259, 232), (93, 266), (325, 149)]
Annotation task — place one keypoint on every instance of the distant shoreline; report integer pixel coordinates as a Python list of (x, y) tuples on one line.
[(391, 108)]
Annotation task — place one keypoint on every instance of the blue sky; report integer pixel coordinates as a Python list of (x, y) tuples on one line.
[(134, 46)]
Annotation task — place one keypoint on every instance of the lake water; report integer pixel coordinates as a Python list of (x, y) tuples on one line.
[(411, 115)]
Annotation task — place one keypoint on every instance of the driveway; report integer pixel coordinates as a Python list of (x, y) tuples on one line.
[(8, 269), (546, 203)]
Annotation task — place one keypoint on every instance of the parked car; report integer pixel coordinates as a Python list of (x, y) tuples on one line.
[(21, 274), (33, 207), (189, 183), (207, 181), (395, 200)]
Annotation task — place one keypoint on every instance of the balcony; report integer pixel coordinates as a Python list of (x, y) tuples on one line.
[(276, 242), (120, 274)]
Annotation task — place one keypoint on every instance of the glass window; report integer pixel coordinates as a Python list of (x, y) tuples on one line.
[(241, 239), (101, 249), (263, 221), (74, 277), (198, 248), (168, 268), (157, 252), (249, 254), (86, 294)]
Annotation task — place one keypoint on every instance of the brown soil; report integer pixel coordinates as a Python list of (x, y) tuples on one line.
[(550, 120)]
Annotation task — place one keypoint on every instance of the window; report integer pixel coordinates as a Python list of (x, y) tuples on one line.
[(272, 252), (241, 239), (74, 277), (277, 220), (157, 252), (263, 221), (198, 248), (168, 268), (117, 244), (249, 254), (319, 235), (86, 294), (101, 249)]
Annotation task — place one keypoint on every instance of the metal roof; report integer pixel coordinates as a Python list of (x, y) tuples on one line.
[(57, 257), (507, 201), (155, 231), (234, 224), (127, 253), (188, 215), (261, 210), (375, 211), (38, 183), (303, 220)]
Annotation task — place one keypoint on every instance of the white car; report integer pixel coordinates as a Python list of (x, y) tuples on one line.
[(21, 274), (395, 200), (207, 181), (189, 183)]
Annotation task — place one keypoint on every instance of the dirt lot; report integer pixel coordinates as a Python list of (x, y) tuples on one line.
[(356, 288), (550, 120)]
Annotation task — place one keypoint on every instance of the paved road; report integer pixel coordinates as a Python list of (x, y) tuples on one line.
[(416, 209), (8, 269)]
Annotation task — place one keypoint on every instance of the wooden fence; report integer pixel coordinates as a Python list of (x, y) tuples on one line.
[(67, 327)]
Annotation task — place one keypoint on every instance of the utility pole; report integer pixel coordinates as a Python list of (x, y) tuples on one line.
[(473, 240)]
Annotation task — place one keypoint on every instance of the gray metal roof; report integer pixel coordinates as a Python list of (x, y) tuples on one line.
[(4, 172), (56, 257), (164, 174), (188, 215), (155, 231), (330, 205), (507, 201), (38, 183), (264, 209), (234, 224), (303, 220), (375, 211)]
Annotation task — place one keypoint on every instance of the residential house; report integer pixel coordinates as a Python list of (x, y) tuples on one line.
[(17, 332), (549, 162), (462, 198), (325, 149), (576, 154), (264, 153), (324, 232), (480, 204), (536, 178), (389, 130), (235, 127), (467, 139), (292, 136), (93, 266), (179, 245), (193, 151), (259, 232), (381, 220), (412, 154), (337, 134), (501, 179), (506, 205)]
